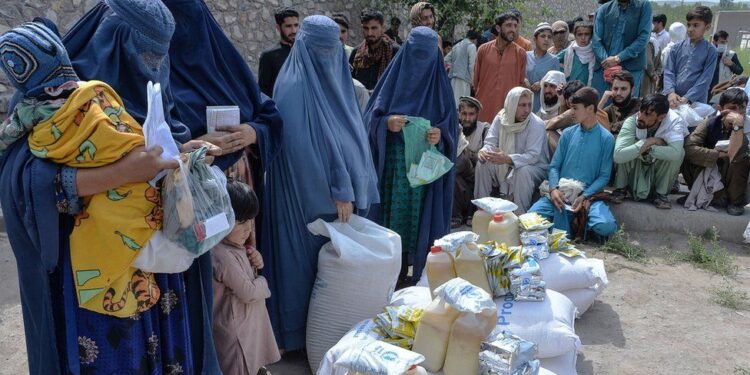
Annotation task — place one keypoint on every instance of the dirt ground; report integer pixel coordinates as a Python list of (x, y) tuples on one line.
[(655, 318)]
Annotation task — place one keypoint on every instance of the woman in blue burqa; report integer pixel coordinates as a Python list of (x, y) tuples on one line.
[(414, 84), (324, 170), (39, 199), (124, 42)]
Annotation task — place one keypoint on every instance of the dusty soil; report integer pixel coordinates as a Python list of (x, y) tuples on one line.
[(655, 318)]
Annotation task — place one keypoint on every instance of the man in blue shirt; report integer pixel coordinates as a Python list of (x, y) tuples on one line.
[(691, 63), (584, 154), (622, 29)]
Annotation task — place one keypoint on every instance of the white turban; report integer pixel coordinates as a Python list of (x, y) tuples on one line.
[(554, 77)]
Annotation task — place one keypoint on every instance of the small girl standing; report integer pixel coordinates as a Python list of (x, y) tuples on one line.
[(241, 327)]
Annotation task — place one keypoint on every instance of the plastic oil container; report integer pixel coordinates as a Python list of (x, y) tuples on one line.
[(467, 334), (440, 268), (479, 224), (504, 229), (433, 331), (470, 266)]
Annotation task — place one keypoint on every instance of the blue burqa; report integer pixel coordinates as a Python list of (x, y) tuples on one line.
[(416, 84), (102, 46), (27, 195), (324, 158), (219, 77)]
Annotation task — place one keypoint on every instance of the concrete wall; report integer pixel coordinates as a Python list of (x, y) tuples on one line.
[(249, 23)]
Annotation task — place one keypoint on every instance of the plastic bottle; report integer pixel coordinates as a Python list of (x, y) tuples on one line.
[(440, 268), (480, 223), (470, 266), (504, 229), (467, 334), (433, 331)]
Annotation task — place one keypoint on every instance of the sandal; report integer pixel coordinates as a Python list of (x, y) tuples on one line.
[(662, 203), (618, 196), (456, 222)]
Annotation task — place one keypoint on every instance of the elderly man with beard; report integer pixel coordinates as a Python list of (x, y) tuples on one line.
[(552, 85), (374, 54), (471, 140), (623, 103), (271, 60), (649, 152), (500, 66), (513, 157)]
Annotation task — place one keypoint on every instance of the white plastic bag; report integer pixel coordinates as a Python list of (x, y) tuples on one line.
[(160, 255), (562, 273), (377, 357), (746, 234), (549, 323), (197, 211), (689, 114), (357, 272), (465, 297), (703, 110), (413, 296), (156, 130), (450, 243), (361, 334), (495, 205), (561, 365)]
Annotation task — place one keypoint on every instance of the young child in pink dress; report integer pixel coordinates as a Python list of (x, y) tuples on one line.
[(241, 327)]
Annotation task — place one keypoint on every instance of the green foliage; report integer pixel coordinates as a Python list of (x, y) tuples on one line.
[(620, 244), (729, 295), (712, 257), (742, 370), (476, 14)]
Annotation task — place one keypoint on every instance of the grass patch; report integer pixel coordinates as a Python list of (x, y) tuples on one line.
[(710, 256), (729, 295), (742, 370), (711, 234), (620, 244)]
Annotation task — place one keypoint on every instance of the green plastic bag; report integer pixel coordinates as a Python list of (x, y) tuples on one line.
[(423, 160)]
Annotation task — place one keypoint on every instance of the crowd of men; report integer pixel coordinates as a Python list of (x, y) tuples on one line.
[(515, 99)]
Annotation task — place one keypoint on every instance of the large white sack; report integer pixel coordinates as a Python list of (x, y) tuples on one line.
[(549, 323), (413, 296), (561, 365), (582, 298), (357, 272), (544, 371), (561, 273)]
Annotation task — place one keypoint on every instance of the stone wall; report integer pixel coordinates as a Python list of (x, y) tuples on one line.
[(250, 24)]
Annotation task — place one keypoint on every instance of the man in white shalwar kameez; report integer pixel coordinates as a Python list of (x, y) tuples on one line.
[(513, 156)]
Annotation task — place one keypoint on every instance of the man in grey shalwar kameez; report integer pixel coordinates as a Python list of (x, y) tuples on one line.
[(513, 156)]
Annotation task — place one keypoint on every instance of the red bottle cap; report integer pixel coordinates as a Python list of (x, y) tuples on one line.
[(436, 249), (497, 217)]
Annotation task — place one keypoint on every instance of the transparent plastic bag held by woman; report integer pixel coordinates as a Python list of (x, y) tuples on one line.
[(197, 210)]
